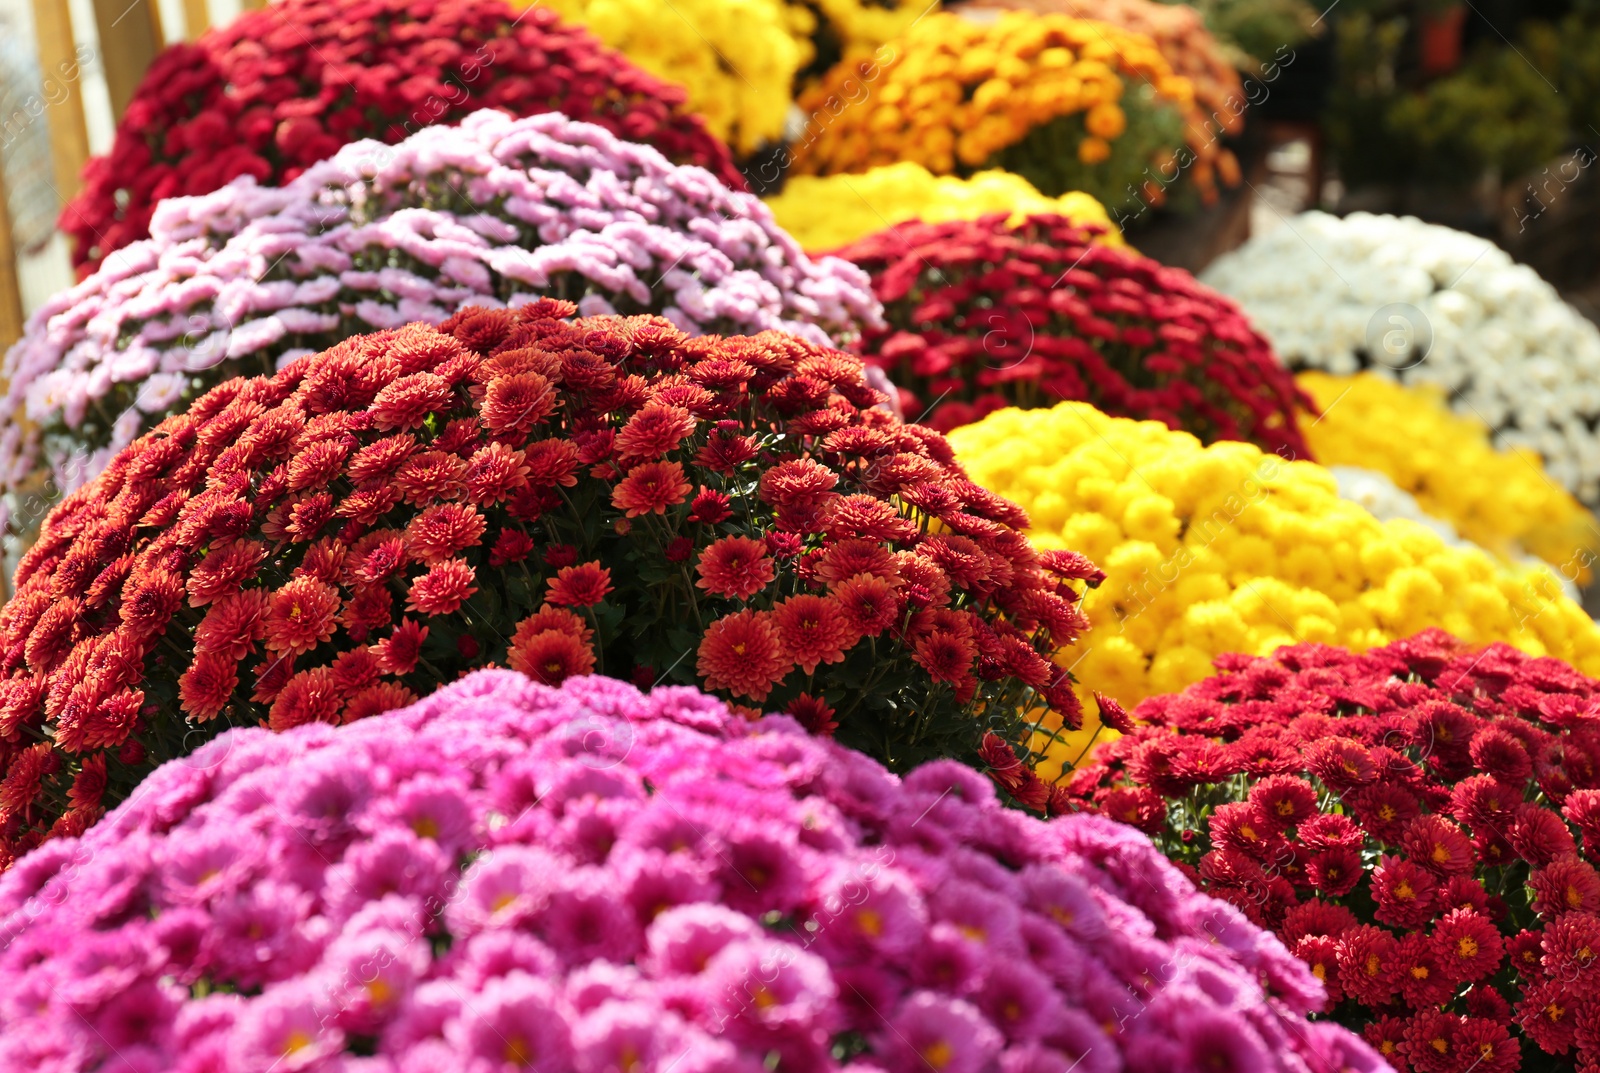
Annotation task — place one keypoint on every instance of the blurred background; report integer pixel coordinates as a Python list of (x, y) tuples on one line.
[(1481, 116)]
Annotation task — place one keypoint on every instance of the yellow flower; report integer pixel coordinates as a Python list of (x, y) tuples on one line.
[(1226, 548), (1501, 500), (826, 213), (1009, 76), (1093, 150), (1106, 121), (737, 58)]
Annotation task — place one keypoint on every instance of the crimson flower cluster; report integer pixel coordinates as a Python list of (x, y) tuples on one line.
[(982, 314), (1419, 823), (600, 495), (276, 90)]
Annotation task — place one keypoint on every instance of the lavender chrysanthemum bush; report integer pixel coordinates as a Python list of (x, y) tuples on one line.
[(493, 211), (508, 876)]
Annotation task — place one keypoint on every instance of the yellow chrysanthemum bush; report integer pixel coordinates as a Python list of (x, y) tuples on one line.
[(1227, 548), (742, 61), (1501, 500), (824, 212), (737, 58), (1067, 103)]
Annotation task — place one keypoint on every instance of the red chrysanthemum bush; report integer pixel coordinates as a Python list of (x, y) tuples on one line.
[(1420, 823), (276, 90), (601, 495), (982, 314)]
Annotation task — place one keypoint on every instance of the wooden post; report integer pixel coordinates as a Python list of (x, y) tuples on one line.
[(130, 37), (10, 286), (62, 77), (196, 18)]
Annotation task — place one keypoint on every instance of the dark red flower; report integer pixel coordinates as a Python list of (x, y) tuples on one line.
[(209, 112), (962, 339)]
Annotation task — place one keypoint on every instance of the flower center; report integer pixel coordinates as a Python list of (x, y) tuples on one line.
[(938, 1054), (1467, 946), (517, 1052)]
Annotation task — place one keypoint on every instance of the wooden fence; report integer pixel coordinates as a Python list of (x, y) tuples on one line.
[(130, 33)]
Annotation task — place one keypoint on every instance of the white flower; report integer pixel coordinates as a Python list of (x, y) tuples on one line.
[(1346, 294)]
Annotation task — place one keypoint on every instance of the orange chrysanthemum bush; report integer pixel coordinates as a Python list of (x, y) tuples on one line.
[(564, 496)]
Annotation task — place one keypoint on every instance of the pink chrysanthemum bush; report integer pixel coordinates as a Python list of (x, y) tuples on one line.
[(605, 494), (507, 876), (1417, 822)]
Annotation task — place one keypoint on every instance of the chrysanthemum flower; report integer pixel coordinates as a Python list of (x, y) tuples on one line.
[(650, 489), (742, 653), (551, 656), (1405, 807), (737, 567), (447, 585), (301, 615), (511, 875), (347, 532), (582, 585)]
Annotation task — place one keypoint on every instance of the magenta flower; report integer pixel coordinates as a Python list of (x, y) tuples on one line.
[(505, 876)]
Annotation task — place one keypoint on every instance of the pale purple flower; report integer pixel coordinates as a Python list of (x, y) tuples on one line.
[(246, 272)]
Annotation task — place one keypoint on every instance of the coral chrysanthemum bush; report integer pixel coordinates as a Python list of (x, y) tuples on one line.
[(737, 59), (825, 212), (274, 91), (495, 210), (982, 314), (1408, 821), (604, 495), (1501, 500), (506, 876), (1211, 550), (1068, 104)]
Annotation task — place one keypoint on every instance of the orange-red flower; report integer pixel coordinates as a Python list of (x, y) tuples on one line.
[(443, 530), (946, 656), (741, 654), (494, 472), (224, 570), (868, 604), (650, 489), (812, 630), (582, 585), (444, 588), (517, 403), (205, 688), (308, 697), (301, 615), (405, 403), (653, 431), (398, 653), (551, 656), (735, 566), (233, 625), (375, 700)]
